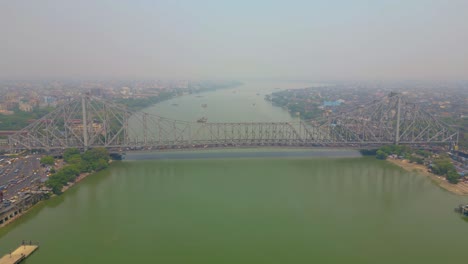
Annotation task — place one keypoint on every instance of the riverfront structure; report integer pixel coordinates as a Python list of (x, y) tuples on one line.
[(19, 254), (93, 122)]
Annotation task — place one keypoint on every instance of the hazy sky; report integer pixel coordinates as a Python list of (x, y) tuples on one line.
[(236, 39)]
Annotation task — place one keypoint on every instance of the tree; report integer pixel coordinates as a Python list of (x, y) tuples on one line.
[(71, 170), (68, 153), (95, 154), (55, 185), (101, 164), (442, 166), (47, 160), (75, 159), (57, 188), (381, 155), (453, 177), (416, 159), (94, 159)]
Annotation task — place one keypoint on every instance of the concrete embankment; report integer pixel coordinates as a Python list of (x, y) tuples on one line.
[(10, 213)]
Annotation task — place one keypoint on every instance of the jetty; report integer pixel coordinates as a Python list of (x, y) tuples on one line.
[(21, 253)]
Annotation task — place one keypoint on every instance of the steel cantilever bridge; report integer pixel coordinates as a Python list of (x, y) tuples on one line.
[(87, 122)]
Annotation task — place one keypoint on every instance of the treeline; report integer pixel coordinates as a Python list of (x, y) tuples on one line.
[(444, 167), (306, 110), (21, 119), (405, 152), (438, 164), (94, 159), (140, 103)]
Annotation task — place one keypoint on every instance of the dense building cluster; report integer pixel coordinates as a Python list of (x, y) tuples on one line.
[(22, 102), (27, 96), (446, 100)]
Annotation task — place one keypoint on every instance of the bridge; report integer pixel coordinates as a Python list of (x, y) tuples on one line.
[(86, 122)]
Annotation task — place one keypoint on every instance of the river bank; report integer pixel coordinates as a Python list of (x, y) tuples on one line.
[(459, 189), (78, 179)]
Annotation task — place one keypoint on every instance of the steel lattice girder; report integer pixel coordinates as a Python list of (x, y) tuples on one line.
[(90, 121)]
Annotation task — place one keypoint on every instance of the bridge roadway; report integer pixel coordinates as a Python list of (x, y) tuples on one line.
[(118, 151)]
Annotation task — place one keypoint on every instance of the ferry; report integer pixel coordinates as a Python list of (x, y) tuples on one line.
[(462, 209), (202, 120)]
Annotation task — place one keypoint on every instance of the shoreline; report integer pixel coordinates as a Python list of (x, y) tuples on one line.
[(460, 188), (78, 179), (19, 215), (81, 177)]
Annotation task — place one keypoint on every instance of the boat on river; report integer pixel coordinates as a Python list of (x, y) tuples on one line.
[(462, 209), (202, 120)]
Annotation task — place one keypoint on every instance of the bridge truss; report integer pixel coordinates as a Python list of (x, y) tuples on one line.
[(88, 121)]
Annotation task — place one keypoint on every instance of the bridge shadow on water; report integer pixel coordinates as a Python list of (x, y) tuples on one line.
[(244, 153)]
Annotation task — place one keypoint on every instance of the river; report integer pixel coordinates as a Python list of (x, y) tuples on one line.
[(245, 206)]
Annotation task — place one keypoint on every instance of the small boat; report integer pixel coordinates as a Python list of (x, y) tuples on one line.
[(462, 209), (175, 104), (204, 105), (202, 120)]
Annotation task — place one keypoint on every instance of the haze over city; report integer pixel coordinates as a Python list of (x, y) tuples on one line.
[(188, 132), (313, 40)]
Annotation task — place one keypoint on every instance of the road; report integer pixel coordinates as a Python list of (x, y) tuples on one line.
[(19, 174)]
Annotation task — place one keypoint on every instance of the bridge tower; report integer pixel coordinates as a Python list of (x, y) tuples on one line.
[(397, 132), (84, 122)]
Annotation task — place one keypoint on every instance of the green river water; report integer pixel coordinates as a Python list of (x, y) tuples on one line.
[(277, 208)]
